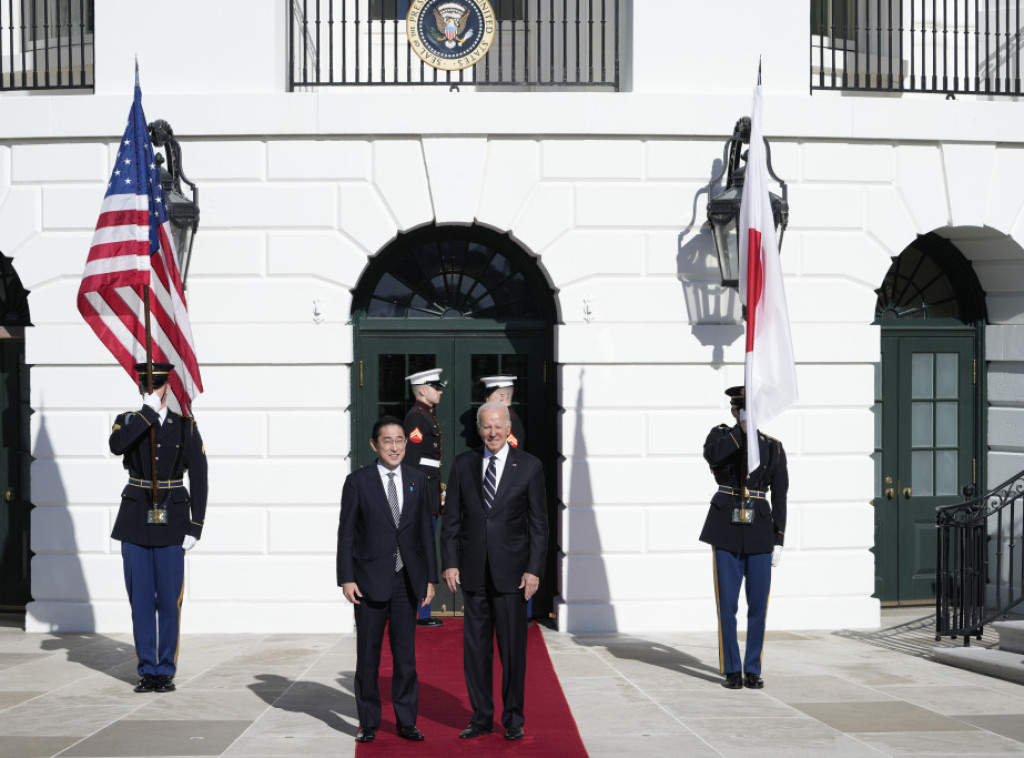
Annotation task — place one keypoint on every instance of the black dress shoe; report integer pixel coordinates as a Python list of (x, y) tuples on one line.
[(472, 731), (366, 734), (733, 682), (147, 683), (515, 733), (429, 622), (753, 681), (165, 683), (410, 733)]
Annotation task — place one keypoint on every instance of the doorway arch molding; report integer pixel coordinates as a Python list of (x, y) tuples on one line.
[(475, 303)]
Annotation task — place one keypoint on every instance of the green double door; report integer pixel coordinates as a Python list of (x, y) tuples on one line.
[(383, 362), (926, 452)]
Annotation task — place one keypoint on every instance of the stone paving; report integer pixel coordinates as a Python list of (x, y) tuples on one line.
[(831, 692)]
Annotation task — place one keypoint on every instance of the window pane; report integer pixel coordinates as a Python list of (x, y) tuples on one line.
[(946, 375), (945, 472), (921, 472), (921, 431), (946, 425), (921, 369)]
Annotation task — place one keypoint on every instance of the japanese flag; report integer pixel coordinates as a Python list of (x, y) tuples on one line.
[(770, 373)]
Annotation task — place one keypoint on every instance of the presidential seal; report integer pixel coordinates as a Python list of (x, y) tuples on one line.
[(450, 34)]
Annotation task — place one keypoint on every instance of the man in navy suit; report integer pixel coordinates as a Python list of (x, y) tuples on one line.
[(493, 540), (386, 566)]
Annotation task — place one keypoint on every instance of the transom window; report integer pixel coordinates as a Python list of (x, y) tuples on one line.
[(455, 273)]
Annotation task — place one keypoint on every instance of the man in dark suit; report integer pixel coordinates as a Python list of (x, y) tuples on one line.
[(386, 566), (746, 536), (493, 540), (155, 536)]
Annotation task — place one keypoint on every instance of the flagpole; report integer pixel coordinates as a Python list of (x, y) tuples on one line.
[(149, 389)]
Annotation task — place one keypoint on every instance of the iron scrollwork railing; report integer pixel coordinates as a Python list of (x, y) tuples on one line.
[(537, 43), (980, 560), (942, 46), (46, 44)]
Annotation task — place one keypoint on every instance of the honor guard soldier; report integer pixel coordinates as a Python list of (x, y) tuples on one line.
[(746, 536), (424, 448), (155, 535), (499, 389)]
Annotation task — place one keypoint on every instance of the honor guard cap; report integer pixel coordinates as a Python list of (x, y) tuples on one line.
[(493, 382), (738, 396), (430, 376), (161, 372)]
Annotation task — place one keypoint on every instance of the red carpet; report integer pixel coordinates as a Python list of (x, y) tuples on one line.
[(444, 706)]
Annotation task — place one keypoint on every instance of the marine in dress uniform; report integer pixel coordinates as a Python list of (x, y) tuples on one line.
[(424, 448), (746, 537), (499, 389), (154, 539)]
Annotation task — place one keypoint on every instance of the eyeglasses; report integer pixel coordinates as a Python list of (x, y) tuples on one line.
[(392, 441)]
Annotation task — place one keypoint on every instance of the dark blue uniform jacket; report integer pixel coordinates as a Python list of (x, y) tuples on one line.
[(179, 450), (725, 450)]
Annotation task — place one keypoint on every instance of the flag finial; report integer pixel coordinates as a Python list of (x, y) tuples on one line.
[(758, 70), (136, 70)]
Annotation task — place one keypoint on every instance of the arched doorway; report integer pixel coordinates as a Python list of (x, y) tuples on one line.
[(470, 301), (929, 393), (14, 438)]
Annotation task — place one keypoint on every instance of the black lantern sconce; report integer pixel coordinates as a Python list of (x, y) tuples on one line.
[(183, 212), (724, 208)]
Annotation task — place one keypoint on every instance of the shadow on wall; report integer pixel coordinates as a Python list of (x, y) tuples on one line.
[(714, 311), (61, 595), (586, 587)]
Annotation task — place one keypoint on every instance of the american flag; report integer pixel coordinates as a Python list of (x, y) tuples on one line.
[(132, 247)]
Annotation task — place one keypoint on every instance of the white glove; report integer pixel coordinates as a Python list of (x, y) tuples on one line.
[(190, 542), (776, 555), (152, 400)]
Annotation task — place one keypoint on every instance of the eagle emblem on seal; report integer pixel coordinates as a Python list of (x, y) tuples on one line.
[(451, 20)]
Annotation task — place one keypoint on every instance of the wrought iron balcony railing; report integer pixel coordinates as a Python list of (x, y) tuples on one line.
[(980, 561), (46, 44), (949, 47), (537, 43)]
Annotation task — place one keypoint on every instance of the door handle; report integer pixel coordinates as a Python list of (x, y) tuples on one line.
[(889, 493), (9, 495), (907, 492)]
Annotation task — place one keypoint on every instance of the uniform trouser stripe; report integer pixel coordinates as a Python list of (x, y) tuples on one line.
[(753, 573), (718, 609)]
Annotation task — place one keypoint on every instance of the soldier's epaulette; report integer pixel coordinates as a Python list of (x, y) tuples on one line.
[(723, 426), (767, 436)]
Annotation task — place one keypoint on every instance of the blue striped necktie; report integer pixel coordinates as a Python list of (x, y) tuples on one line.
[(490, 483)]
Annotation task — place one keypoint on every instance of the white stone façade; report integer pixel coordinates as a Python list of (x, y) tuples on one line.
[(646, 345)]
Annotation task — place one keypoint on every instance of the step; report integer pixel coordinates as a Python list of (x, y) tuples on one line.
[(1011, 635), (998, 663)]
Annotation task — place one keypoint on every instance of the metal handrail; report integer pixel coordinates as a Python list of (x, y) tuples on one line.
[(979, 561)]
